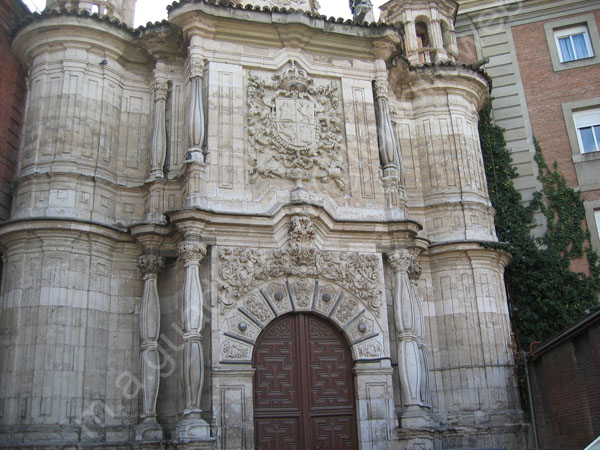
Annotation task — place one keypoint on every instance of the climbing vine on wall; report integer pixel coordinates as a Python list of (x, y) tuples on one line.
[(545, 296)]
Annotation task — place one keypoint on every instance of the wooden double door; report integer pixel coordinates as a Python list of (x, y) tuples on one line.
[(303, 387)]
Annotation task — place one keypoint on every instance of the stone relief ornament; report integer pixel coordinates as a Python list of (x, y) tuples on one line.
[(347, 309), (303, 237), (295, 129), (257, 308), (242, 269), (233, 350), (150, 264), (370, 350)]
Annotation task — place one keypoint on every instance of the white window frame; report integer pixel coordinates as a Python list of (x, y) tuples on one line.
[(570, 32), (587, 118), (562, 27)]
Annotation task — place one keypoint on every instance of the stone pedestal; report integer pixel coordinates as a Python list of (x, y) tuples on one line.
[(193, 429), (148, 430)]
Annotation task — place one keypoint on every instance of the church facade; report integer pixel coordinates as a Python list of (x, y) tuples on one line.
[(251, 226)]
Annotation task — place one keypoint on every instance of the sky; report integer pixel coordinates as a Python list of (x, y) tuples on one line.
[(153, 10)]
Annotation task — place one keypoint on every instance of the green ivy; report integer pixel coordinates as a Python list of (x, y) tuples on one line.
[(545, 296)]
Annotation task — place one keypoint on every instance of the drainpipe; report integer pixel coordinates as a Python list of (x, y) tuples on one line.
[(530, 395)]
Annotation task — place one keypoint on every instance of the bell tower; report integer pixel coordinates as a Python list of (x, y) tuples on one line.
[(122, 10), (429, 28)]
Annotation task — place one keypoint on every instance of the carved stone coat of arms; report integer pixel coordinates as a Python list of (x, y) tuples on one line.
[(295, 129)]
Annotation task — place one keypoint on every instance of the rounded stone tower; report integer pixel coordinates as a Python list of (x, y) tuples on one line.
[(429, 28), (123, 10)]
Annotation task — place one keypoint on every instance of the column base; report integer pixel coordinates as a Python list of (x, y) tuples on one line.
[(192, 429), (417, 417), (149, 431)]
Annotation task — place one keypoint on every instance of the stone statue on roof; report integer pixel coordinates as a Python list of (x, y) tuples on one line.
[(362, 10)]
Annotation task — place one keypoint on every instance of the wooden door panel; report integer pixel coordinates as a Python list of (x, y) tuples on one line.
[(303, 386), (329, 385), (334, 433), (275, 384), (277, 433)]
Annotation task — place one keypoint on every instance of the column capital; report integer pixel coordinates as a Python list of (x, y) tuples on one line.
[(380, 86), (161, 90), (191, 251), (150, 264), (403, 259), (197, 67)]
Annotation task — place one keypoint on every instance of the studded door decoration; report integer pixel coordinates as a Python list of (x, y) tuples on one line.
[(303, 386)]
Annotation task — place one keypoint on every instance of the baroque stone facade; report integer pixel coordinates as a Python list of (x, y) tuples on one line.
[(185, 186)]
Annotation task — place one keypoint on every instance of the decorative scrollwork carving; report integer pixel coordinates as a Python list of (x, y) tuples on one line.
[(295, 128), (242, 269), (233, 350), (302, 238), (257, 308), (370, 350)]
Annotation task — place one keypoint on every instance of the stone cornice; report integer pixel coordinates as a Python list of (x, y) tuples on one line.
[(22, 230), (277, 27)]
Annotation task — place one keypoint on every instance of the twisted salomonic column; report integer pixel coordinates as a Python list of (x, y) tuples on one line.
[(196, 130), (408, 314), (148, 429), (389, 148), (158, 145), (192, 426)]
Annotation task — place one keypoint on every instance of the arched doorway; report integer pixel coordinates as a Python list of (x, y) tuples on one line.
[(303, 386)]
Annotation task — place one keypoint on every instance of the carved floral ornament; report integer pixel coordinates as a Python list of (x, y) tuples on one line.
[(405, 260), (161, 90), (192, 251), (242, 269), (295, 129), (148, 264)]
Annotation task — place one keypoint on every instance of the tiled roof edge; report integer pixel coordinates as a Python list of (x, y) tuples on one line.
[(275, 9), (35, 17)]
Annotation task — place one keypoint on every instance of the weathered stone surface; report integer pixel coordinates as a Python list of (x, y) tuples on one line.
[(259, 172)]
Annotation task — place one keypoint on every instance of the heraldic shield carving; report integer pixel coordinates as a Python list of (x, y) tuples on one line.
[(295, 129)]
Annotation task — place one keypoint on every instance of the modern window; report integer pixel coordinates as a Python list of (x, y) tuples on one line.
[(573, 43), (587, 123)]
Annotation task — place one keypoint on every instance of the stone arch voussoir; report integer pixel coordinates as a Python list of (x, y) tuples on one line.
[(252, 313)]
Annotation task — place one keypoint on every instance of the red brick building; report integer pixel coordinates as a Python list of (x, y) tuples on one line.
[(564, 376), (12, 101), (544, 60), (545, 65)]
